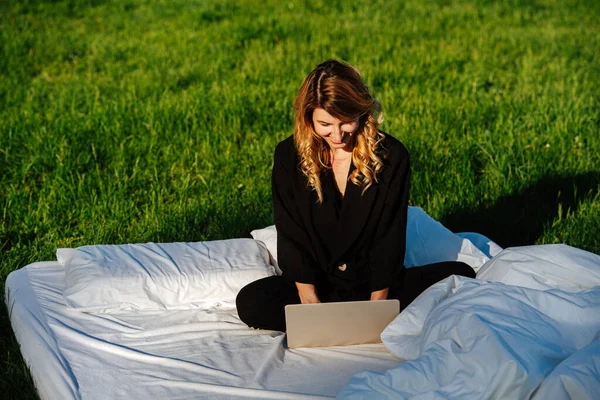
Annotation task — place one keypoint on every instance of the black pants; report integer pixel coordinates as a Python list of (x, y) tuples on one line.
[(261, 304)]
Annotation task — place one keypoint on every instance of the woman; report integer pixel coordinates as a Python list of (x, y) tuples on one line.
[(340, 197)]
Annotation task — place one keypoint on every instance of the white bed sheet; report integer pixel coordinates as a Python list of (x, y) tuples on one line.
[(166, 354)]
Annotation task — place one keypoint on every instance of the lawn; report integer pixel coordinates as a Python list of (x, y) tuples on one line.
[(136, 121)]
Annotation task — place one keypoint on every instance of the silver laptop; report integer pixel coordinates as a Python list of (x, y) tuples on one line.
[(338, 324)]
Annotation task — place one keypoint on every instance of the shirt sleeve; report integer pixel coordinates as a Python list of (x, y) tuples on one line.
[(389, 244), (292, 240)]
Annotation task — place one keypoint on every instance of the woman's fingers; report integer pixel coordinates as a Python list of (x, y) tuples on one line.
[(380, 294), (307, 293)]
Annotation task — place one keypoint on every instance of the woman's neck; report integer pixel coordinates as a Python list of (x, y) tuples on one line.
[(338, 155)]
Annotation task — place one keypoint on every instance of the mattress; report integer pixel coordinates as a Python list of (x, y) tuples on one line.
[(166, 354)]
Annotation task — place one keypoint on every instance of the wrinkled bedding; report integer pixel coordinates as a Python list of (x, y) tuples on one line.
[(528, 327), (172, 354), (538, 337), (141, 351)]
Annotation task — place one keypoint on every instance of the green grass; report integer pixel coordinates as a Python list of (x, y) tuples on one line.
[(136, 121)]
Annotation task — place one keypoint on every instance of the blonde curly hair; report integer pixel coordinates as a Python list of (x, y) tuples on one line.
[(337, 88)]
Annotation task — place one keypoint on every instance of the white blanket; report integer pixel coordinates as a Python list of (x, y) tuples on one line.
[(473, 339), (463, 338)]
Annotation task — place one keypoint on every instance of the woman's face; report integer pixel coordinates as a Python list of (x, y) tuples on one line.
[(336, 133)]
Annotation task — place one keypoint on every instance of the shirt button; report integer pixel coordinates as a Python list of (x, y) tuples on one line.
[(342, 267)]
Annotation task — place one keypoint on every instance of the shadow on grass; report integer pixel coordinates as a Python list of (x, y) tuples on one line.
[(16, 381), (519, 219)]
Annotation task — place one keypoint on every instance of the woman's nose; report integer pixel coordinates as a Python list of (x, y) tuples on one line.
[(337, 134)]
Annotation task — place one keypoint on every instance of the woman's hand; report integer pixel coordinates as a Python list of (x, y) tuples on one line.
[(307, 293), (380, 294)]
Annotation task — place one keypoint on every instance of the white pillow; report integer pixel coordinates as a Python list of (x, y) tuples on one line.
[(427, 242), (161, 276), (268, 237)]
